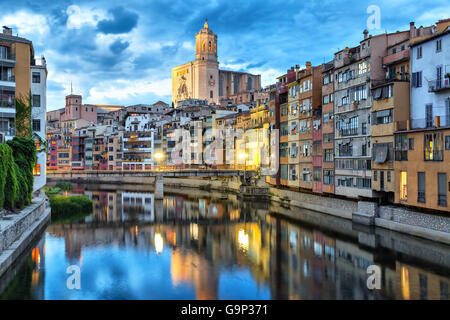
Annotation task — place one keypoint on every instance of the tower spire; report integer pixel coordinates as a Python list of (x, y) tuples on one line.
[(206, 23)]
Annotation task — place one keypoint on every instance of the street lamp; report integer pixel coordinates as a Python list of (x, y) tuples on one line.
[(159, 156), (244, 156)]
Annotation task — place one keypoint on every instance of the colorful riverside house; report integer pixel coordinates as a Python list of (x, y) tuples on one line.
[(390, 106), (422, 146), (138, 144), (78, 148), (328, 128), (274, 125), (283, 105), (293, 142), (310, 101), (53, 143)]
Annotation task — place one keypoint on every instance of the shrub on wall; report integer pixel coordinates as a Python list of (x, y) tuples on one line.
[(65, 207)]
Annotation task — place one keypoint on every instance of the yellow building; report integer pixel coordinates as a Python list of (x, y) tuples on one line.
[(202, 79), (16, 58)]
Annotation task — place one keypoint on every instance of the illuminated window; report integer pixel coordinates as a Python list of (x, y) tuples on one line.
[(38, 145), (37, 170), (433, 149), (403, 185), (203, 46)]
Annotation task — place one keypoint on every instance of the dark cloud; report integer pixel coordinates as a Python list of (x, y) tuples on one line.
[(123, 21), (118, 46)]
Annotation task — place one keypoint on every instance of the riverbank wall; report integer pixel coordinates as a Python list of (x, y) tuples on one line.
[(399, 219), (18, 231)]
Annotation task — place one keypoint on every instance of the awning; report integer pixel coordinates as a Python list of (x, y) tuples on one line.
[(380, 151)]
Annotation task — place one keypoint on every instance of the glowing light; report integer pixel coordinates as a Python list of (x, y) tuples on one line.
[(159, 243), (405, 283), (194, 231), (159, 155), (243, 156), (243, 240)]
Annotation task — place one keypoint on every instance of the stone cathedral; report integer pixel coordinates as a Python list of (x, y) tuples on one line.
[(202, 79)]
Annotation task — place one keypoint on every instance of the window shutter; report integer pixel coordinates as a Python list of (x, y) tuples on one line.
[(414, 80)]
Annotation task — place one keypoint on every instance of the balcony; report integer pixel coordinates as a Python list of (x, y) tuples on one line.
[(438, 85), (430, 123), (7, 104), (396, 57)]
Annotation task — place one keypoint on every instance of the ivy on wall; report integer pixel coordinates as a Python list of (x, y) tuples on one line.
[(23, 116), (17, 159)]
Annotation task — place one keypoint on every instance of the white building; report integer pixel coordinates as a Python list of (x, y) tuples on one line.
[(430, 79), (138, 143), (38, 117)]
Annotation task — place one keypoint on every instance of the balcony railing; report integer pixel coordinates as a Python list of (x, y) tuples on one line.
[(11, 132), (396, 57), (444, 121), (7, 104), (438, 85), (8, 79), (8, 56)]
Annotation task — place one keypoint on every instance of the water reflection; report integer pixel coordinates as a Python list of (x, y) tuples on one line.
[(189, 247)]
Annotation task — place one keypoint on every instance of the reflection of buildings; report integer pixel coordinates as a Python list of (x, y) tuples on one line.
[(138, 206), (194, 269), (206, 237)]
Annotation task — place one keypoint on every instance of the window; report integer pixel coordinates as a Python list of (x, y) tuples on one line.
[(433, 149), (429, 115), (331, 97), (328, 177), (382, 117), (325, 118), (401, 147), (417, 79), (411, 143), (36, 77), (328, 155), (37, 170), (284, 148), (292, 172), (419, 52), (375, 175), (328, 138), (388, 176), (211, 95), (36, 125), (421, 187), (284, 172), (439, 45), (363, 67), (36, 100), (325, 99), (442, 190), (293, 150), (317, 174), (364, 128), (403, 185)]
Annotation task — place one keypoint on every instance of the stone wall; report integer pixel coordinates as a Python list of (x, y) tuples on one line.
[(405, 216)]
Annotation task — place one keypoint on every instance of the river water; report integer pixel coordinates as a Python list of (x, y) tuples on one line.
[(199, 245)]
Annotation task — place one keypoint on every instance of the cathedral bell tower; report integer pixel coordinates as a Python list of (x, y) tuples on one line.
[(206, 44)]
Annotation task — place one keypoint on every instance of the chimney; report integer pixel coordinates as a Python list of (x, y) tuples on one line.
[(308, 65), (365, 32), (412, 30), (7, 30)]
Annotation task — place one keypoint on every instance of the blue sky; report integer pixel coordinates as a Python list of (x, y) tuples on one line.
[(122, 52)]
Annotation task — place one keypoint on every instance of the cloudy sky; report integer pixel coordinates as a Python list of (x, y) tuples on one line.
[(122, 52)]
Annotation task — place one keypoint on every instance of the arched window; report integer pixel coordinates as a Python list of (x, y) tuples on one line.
[(203, 46), (210, 46)]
